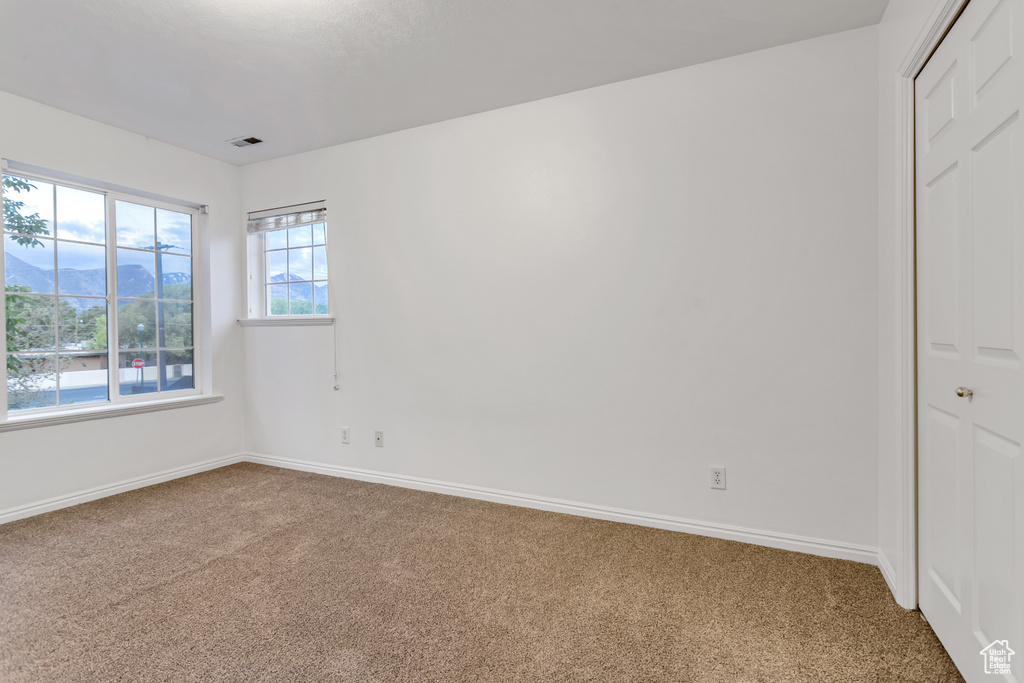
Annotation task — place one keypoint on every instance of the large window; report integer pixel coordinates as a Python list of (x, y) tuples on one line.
[(98, 296), (294, 260)]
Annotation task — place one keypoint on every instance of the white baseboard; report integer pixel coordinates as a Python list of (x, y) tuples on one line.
[(906, 597), (802, 544), (32, 509), (888, 573)]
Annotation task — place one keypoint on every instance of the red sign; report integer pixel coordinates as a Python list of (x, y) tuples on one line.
[(138, 363)]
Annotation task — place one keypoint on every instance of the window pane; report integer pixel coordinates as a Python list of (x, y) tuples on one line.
[(133, 380), (320, 298), (176, 325), (83, 377), (136, 274), (320, 263), (136, 324), (81, 269), (176, 370), (135, 225), (82, 328), (32, 383), (278, 239), (32, 206), (301, 236), (319, 234), (300, 264), (31, 323), (29, 267), (277, 266), (175, 276), (81, 215), (174, 232), (59, 327), (277, 300), (300, 299)]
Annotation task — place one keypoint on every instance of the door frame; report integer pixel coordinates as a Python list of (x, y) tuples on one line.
[(904, 583)]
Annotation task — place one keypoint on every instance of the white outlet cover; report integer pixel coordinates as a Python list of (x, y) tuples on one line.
[(344, 435), (717, 477)]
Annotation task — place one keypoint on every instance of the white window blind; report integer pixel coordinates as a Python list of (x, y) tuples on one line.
[(286, 217)]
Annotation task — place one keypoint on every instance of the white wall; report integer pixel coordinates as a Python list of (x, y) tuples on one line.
[(904, 20), (596, 296), (38, 464)]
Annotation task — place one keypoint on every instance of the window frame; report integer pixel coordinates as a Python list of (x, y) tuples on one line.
[(257, 313), (115, 402)]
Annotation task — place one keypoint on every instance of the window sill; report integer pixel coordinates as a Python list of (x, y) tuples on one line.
[(103, 412), (287, 321)]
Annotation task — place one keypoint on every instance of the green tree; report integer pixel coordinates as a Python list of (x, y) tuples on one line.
[(29, 327), (176, 318), (27, 226), (278, 306), (15, 220), (99, 335), (86, 331), (29, 319), (15, 307), (34, 329)]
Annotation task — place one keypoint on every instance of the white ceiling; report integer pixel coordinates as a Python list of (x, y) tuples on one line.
[(304, 74)]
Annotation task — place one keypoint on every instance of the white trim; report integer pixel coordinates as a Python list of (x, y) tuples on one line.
[(904, 583), (102, 412), (802, 544), (928, 39), (32, 509), (888, 573), (286, 321), (200, 325)]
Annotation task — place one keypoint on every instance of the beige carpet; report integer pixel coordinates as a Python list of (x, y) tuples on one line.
[(252, 573)]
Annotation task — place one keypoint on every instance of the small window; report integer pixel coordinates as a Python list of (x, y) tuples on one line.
[(98, 296), (294, 260)]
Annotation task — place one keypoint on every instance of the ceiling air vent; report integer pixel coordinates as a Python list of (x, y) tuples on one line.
[(245, 142)]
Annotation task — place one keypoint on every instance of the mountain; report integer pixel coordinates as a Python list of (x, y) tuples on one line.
[(170, 278), (133, 280), (92, 281), (17, 272), (321, 290)]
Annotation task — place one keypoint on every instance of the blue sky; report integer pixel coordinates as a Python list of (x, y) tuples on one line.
[(81, 216)]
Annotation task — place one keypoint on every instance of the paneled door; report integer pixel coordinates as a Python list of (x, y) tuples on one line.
[(970, 284)]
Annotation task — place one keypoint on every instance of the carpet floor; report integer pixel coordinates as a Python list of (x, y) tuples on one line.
[(253, 573)]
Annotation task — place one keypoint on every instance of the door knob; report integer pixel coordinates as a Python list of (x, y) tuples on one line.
[(964, 392)]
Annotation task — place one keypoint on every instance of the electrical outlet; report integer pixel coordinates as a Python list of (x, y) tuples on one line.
[(717, 477), (378, 439), (344, 435)]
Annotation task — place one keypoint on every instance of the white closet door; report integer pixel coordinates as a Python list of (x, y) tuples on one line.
[(970, 279)]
